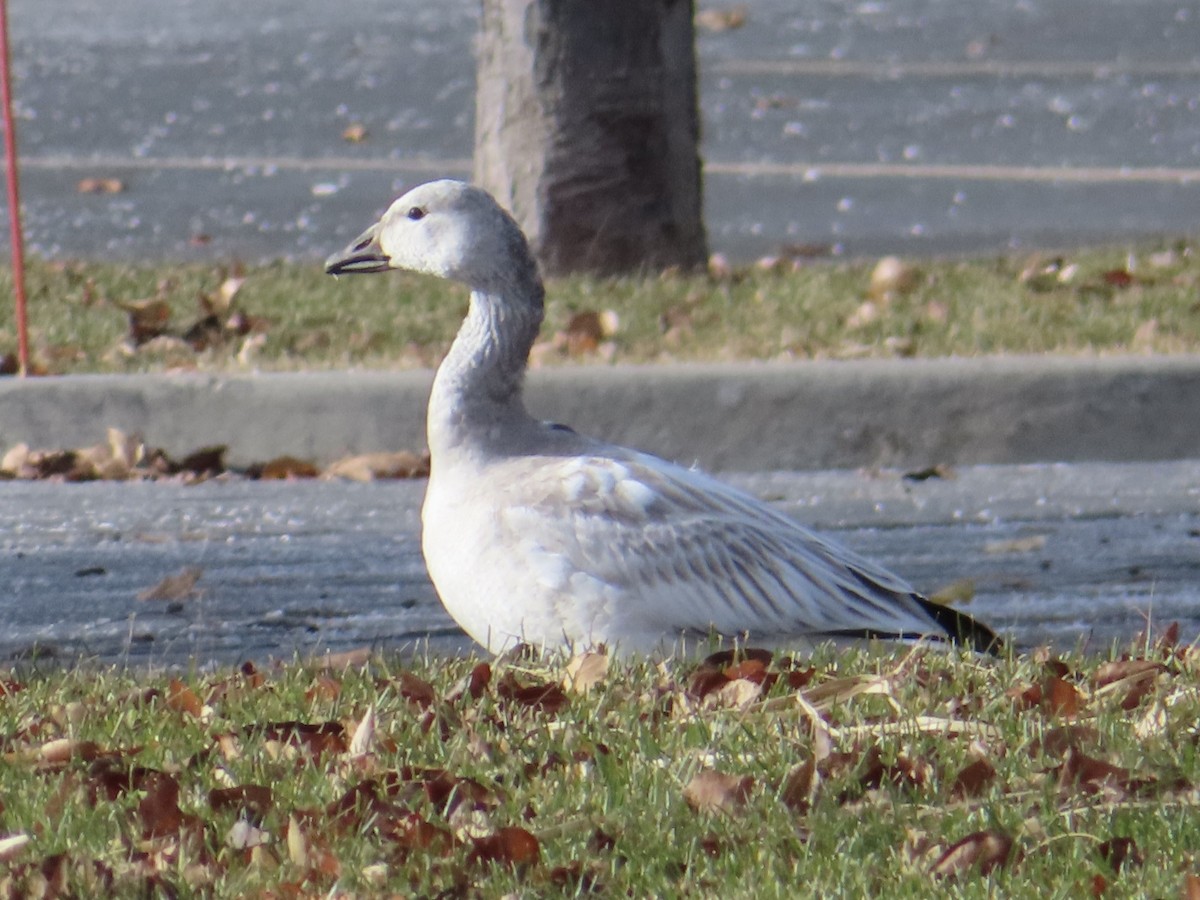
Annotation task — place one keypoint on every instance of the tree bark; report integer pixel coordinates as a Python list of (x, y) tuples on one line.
[(587, 129)]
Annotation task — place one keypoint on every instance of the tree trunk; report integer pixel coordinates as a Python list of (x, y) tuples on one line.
[(586, 128)]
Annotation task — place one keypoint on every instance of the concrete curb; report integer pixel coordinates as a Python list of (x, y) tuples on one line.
[(728, 417)]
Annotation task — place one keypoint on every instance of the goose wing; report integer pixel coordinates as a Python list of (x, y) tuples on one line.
[(694, 554)]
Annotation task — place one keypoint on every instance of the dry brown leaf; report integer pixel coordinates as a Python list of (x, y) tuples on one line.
[(1092, 775), (474, 685), (174, 588), (205, 461), (718, 20), (372, 466), (148, 319), (100, 186), (973, 780), (585, 331), (1191, 887), (15, 459), (892, 277), (297, 843), (982, 851), (362, 741), (1061, 698), (800, 787), (548, 698), (585, 671), (253, 798), (1123, 671), (711, 791), (323, 688), (287, 468), (510, 846), (182, 698), (159, 809), (738, 693), (354, 133), (1121, 852), (1118, 278), (347, 659)]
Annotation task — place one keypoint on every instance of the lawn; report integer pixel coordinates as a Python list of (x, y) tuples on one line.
[(94, 317), (881, 772)]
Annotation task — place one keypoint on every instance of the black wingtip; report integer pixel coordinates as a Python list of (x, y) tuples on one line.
[(962, 629)]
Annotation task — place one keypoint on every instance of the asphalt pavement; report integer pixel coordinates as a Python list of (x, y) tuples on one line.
[(1074, 556), (846, 127), (859, 128)]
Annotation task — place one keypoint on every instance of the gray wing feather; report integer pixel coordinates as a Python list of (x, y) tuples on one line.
[(699, 554)]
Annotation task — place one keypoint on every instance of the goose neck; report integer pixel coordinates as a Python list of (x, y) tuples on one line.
[(479, 385)]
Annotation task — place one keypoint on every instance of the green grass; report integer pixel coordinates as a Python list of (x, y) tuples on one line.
[(300, 318), (600, 780)]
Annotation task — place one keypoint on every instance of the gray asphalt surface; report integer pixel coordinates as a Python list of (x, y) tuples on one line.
[(867, 127), (1072, 555), (864, 127)]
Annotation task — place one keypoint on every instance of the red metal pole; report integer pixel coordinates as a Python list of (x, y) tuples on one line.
[(14, 195)]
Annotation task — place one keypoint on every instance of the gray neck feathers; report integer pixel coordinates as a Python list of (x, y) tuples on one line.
[(479, 384)]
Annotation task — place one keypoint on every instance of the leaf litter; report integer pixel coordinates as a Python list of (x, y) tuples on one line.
[(470, 776)]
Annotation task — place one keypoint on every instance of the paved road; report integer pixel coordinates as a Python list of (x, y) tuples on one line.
[(1065, 554), (866, 125)]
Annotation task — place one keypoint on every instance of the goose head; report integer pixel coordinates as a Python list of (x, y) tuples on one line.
[(444, 228)]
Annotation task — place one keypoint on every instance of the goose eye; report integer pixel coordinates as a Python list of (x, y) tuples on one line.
[(416, 213)]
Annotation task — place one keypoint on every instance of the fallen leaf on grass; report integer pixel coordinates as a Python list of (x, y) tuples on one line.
[(982, 851), (1090, 775), (973, 780), (512, 846), (712, 791), (1120, 852), (255, 799), (1061, 698), (312, 739), (585, 671), (799, 789), (1118, 278), (362, 741), (182, 698), (347, 659), (891, 278), (474, 685), (177, 587), (148, 318), (548, 698), (159, 809)]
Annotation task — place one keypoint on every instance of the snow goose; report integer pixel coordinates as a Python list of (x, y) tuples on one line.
[(532, 532)]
